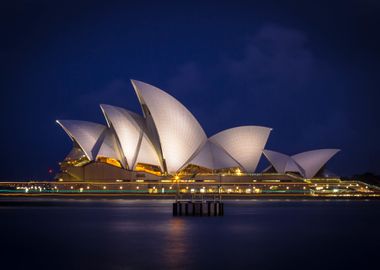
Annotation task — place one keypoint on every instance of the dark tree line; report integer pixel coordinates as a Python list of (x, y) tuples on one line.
[(368, 177)]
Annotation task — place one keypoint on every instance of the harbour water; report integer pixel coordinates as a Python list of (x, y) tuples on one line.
[(143, 234)]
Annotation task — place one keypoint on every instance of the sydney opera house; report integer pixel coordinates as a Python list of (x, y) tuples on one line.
[(168, 140), (166, 145), (164, 152)]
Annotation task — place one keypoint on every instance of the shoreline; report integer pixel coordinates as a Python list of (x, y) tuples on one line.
[(225, 197)]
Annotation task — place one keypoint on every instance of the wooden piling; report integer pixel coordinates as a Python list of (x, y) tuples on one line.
[(180, 208), (198, 208)]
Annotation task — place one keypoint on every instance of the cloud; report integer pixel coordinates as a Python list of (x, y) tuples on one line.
[(275, 59), (274, 56), (276, 64)]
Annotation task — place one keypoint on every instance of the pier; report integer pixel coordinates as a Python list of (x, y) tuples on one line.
[(198, 208)]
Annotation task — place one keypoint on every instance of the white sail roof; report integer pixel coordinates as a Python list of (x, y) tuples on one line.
[(277, 159), (180, 134), (244, 144), (282, 163), (147, 153), (130, 132), (213, 157), (110, 147), (307, 163), (313, 161), (86, 134)]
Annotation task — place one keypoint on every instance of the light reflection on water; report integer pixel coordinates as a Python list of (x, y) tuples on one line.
[(171, 235), (176, 245), (138, 234)]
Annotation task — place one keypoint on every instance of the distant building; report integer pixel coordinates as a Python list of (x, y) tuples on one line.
[(167, 140)]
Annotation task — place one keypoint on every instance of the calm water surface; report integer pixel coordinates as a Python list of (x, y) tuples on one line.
[(141, 234)]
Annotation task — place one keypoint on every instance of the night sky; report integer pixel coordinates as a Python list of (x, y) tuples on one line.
[(308, 69)]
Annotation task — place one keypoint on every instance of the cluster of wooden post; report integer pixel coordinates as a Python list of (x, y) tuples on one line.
[(198, 208)]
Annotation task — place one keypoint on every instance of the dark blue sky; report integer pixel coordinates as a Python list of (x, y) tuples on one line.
[(308, 69)]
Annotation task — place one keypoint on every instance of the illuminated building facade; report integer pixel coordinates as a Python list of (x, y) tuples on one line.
[(167, 140), (164, 152)]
